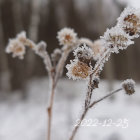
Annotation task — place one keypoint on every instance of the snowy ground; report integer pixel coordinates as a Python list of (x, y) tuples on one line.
[(26, 120)]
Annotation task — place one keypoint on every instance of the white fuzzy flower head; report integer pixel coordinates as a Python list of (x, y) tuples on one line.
[(129, 21), (67, 37), (78, 70), (129, 86), (16, 48), (22, 36), (116, 39), (83, 53), (98, 48)]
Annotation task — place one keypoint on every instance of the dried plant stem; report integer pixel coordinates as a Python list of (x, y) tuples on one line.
[(87, 109), (50, 109), (55, 75), (106, 96)]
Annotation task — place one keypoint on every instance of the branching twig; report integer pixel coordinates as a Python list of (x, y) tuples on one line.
[(87, 109)]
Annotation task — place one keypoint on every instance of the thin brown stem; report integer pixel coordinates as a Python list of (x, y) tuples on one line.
[(78, 125), (50, 109), (104, 97)]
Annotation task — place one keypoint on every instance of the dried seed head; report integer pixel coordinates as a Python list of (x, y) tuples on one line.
[(129, 21), (129, 86), (98, 48), (83, 54), (78, 70), (116, 39), (67, 37), (16, 48)]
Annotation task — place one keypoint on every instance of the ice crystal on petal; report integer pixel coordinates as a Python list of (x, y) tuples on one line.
[(116, 39), (129, 86), (78, 70), (67, 37), (16, 48), (129, 21)]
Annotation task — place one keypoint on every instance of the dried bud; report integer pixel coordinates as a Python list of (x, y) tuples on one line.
[(56, 55), (129, 86), (67, 37), (129, 21), (116, 39), (40, 48), (84, 54), (78, 70)]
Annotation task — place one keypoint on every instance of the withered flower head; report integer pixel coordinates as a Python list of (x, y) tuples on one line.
[(129, 86), (129, 21), (116, 39), (67, 37), (78, 70), (83, 54), (16, 48)]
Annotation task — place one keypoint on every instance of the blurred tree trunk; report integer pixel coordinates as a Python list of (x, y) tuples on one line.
[(4, 69), (33, 35)]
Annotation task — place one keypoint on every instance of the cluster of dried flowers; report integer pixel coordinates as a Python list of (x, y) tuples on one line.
[(86, 52)]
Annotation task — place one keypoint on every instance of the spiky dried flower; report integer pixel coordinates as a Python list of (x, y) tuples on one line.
[(67, 37), (116, 39), (78, 70), (129, 86), (16, 48), (129, 21), (83, 54)]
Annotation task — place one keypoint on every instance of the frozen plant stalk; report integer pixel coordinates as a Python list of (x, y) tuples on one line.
[(115, 39)]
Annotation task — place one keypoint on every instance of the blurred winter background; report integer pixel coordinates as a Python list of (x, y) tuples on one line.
[(24, 86)]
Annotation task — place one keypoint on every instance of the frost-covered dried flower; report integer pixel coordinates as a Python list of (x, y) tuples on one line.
[(83, 54), (16, 48), (98, 48), (116, 39), (129, 21), (86, 41), (78, 70), (67, 37), (129, 86)]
